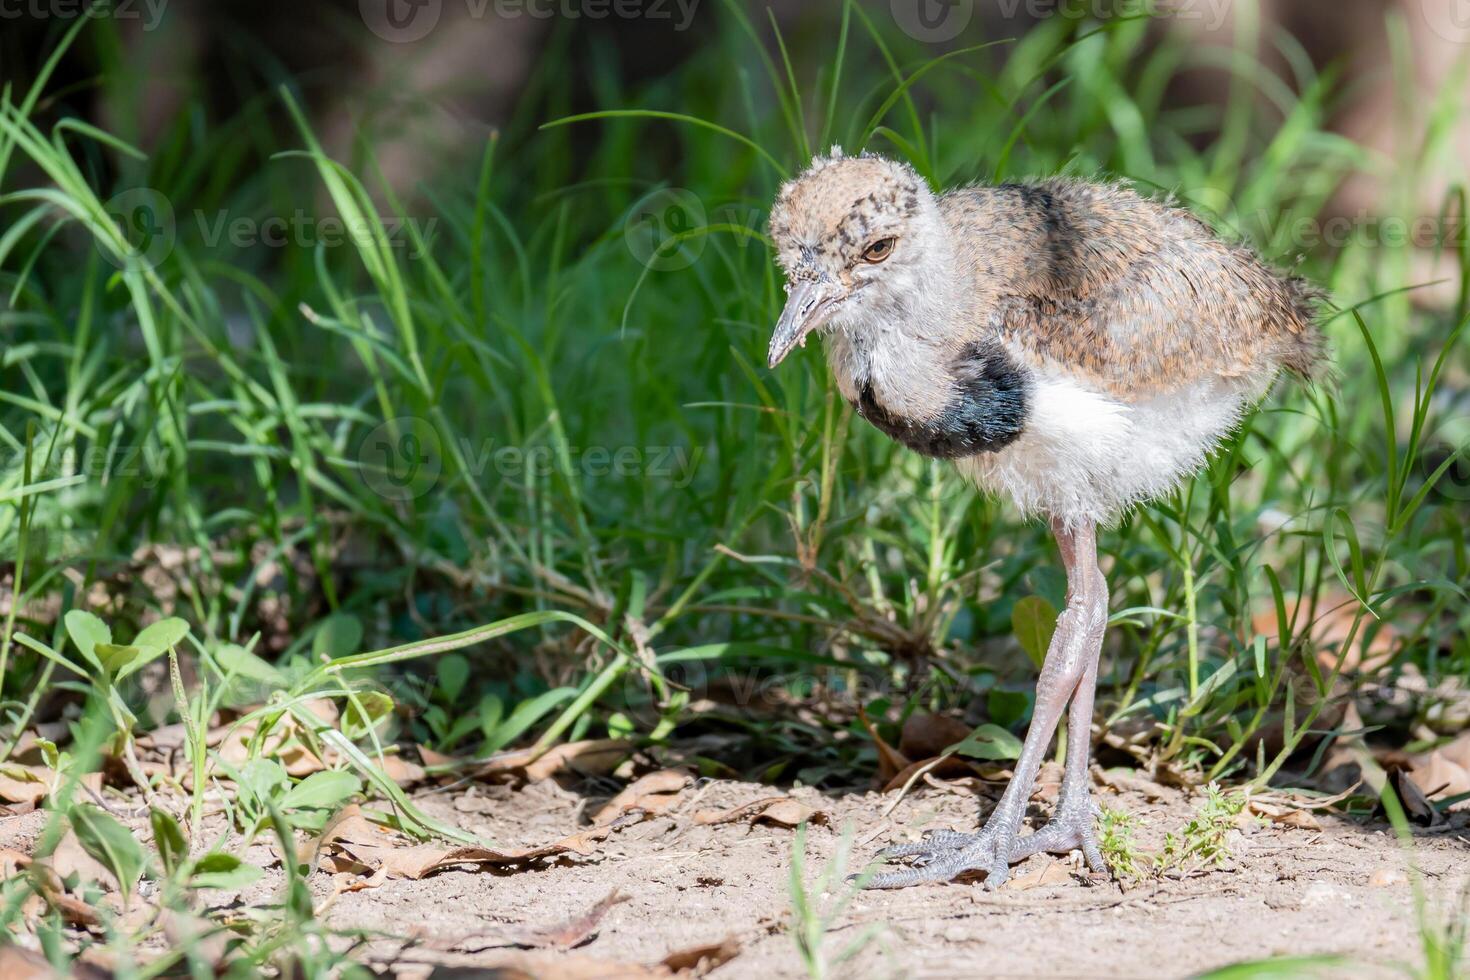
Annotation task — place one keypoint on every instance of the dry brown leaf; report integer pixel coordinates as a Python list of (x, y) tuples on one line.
[(1439, 773), (1411, 797), (891, 761), (24, 784), (352, 843), (12, 863), (208, 942), (926, 735), (1054, 873), (701, 959), (433, 759), (589, 758), (1457, 751), (283, 742), (1300, 819), (781, 810), (653, 794), (70, 858), (403, 772), (1126, 781), (947, 767), (22, 964), (357, 880), (1285, 816), (348, 825)]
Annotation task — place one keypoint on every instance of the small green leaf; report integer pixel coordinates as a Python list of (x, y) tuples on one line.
[(453, 671), (365, 712), (262, 779), (168, 838), (113, 657), (325, 789), (339, 635), (164, 634), (111, 844), (222, 871), (1034, 620), (988, 742), (86, 631), (237, 660)]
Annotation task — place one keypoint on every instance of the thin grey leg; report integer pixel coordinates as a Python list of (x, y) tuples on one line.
[(1070, 668)]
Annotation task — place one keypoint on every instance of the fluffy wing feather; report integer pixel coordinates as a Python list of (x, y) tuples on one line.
[(1136, 296)]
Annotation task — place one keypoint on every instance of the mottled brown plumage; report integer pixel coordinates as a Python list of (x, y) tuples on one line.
[(1137, 295)]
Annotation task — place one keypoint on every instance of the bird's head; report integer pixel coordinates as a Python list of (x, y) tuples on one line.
[(852, 234)]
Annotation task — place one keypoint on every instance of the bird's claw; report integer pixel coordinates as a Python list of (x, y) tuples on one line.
[(1071, 828), (944, 854)]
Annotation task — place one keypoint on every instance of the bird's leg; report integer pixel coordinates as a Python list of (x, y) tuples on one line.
[(1070, 668)]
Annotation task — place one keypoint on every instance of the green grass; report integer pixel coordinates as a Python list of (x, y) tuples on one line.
[(506, 414)]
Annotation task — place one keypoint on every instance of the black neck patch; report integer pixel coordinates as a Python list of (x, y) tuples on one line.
[(987, 413)]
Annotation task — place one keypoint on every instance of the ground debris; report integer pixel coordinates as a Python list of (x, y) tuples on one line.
[(564, 935), (1052, 873), (783, 811), (594, 757), (353, 844), (699, 960), (651, 794), (1415, 803)]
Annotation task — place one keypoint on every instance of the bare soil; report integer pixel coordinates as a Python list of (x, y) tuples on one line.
[(1341, 887)]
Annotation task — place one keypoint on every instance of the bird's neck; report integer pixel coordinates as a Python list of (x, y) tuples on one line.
[(897, 348)]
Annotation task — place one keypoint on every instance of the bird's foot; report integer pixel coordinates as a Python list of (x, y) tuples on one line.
[(944, 854), (1072, 828)]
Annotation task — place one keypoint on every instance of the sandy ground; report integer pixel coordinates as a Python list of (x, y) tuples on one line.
[(1342, 887)]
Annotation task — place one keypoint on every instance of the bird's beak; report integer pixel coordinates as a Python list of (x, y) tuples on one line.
[(808, 306)]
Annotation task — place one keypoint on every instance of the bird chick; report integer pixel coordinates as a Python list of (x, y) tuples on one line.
[(1074, 347)]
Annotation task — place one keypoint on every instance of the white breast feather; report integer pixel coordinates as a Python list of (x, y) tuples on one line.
[(1084, 456)]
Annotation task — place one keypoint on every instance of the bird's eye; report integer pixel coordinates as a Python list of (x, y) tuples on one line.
[(878, 251)]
